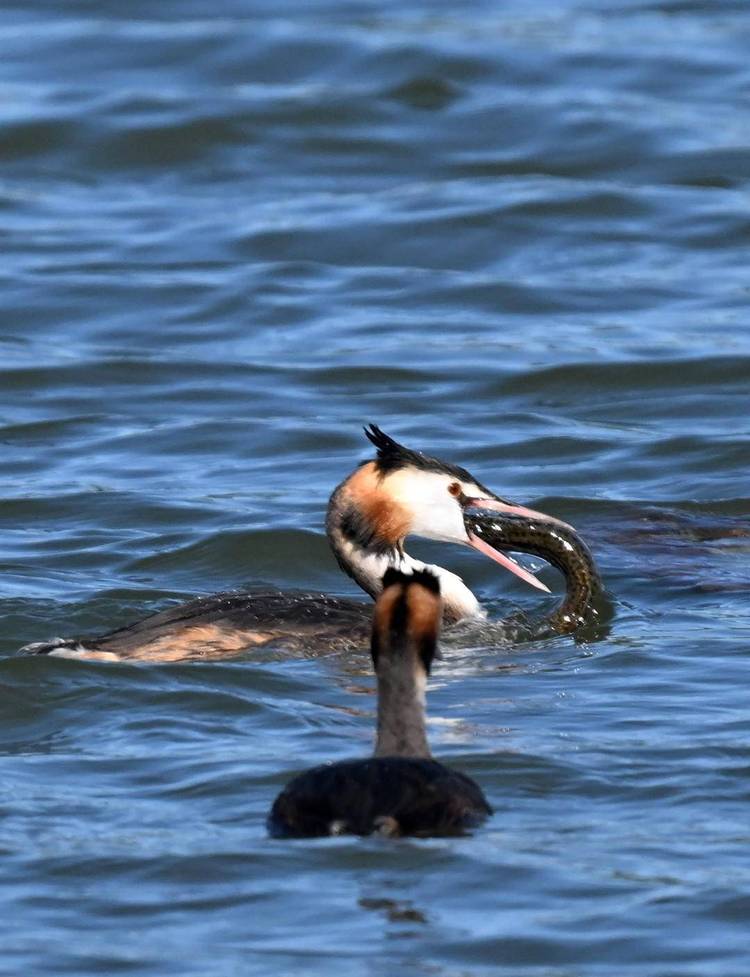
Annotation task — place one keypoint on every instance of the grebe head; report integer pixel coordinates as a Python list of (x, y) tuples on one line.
[(406, 622), (402, 492)]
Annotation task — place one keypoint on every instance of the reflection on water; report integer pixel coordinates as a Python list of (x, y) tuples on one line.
[(515, 237)]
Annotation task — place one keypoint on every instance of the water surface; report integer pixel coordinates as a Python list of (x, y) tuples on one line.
[(513, 235)]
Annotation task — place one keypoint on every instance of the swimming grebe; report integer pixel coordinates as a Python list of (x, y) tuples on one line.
[(400, 790), (399, 493)]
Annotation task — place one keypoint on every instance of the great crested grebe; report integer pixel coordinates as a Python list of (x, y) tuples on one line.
[(400, 790), (398, 493)]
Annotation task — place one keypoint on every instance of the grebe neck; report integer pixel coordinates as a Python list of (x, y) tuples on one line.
[(402, 727), (367, 565)]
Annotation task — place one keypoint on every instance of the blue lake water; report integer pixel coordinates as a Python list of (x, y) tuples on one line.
[(515, 236)]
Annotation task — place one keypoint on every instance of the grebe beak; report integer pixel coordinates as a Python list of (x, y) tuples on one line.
[(509, 509)]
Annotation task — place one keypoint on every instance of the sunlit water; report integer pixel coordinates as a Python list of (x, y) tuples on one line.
[(515, 235)]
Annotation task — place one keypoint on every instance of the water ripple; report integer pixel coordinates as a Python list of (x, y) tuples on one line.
[(515, 237)]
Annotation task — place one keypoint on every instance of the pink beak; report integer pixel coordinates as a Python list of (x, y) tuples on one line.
[(495, 505)]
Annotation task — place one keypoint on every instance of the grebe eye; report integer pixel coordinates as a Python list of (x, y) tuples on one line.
[(455, 489)]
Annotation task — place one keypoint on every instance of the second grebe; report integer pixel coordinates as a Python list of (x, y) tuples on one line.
[(401, 790), (398, 493)]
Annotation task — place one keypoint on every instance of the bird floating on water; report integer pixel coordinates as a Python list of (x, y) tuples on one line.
[(399, 493), (401, 790)]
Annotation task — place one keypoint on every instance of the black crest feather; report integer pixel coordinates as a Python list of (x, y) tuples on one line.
[(392, 576), (426, 578), (392, 456)]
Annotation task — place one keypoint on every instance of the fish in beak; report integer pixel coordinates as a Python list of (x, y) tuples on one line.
[(476, 508)]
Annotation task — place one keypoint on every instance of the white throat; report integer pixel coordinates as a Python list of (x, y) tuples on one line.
[(458, 600), (368, 568)]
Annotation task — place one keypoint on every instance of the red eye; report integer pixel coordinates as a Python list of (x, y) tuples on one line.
[(455, 489)]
